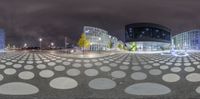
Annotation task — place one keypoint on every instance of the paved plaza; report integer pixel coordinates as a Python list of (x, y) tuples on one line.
[(47, 75)]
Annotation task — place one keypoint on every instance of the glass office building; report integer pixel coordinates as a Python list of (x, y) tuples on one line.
[(2, 39), (148, 36), (99, 38), (189, 40)]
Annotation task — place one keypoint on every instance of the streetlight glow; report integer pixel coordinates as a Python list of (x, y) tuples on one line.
[(52, 44), (40, 39)]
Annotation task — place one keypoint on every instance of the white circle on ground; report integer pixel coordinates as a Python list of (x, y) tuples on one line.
[(26, 75), (59, 68), (98, 64), (105, 68), (3, 61), (41, 66), (17, 65), (189, 69), (155, 72), (123, 67), (106, 62), (1, 77), (195, 63), (126, 63), (58, 61), (10, 71), (175, 69), (21, 61), (2, 66), (136, 68), (78, 60), (147, 89), (169, 63), (28, 67), (193, 77), (147, 66), (66, 63), (46, 60), (86, 61), (77, 65), (73, 72), (29, 62), (18, 88), (8, 63), (164, 67), (187, 64), (88, 65), (156, 64), (94, 60), (177, 64), (102, 84), (46, 73), (38, 62), (198, 90), (63, 83), (171, 77), (91, 72), (138, 76), (118, 74), (113, 64), (51, 63)]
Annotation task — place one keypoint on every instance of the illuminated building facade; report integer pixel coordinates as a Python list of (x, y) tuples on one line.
[(99, 38), (189, 40), (2, 39), (147, 37)]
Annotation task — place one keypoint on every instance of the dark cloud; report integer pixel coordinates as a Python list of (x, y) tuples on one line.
[(26, 20)]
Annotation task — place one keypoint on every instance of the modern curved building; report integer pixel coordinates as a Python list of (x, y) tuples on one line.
[(2, 39), (99, 38), (147, 37), (189, 40)]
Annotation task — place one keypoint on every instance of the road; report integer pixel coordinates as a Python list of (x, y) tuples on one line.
[(47, 75)]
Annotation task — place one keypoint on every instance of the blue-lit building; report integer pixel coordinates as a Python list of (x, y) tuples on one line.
[(2, 39), (148, 36), (189, 40)]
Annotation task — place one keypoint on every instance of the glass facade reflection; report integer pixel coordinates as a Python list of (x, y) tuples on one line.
[(189, 40), (2, 39), (148, 36), (99, 38)]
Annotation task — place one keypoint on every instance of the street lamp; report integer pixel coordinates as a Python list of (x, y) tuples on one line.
[(52, 44), (25, 45), (40, 40), (99, 44)]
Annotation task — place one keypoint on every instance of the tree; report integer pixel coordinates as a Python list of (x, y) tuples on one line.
[(120, 46), (133, 46), (110, 45), (83, 42)]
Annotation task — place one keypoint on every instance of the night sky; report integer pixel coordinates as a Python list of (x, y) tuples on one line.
[(26, 20)]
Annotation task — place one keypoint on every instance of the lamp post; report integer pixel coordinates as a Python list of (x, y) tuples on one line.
[(40, 40), (99, 44), (52, 44), (25, 45)]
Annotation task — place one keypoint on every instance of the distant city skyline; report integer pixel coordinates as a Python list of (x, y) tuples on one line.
[(25, 21)]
